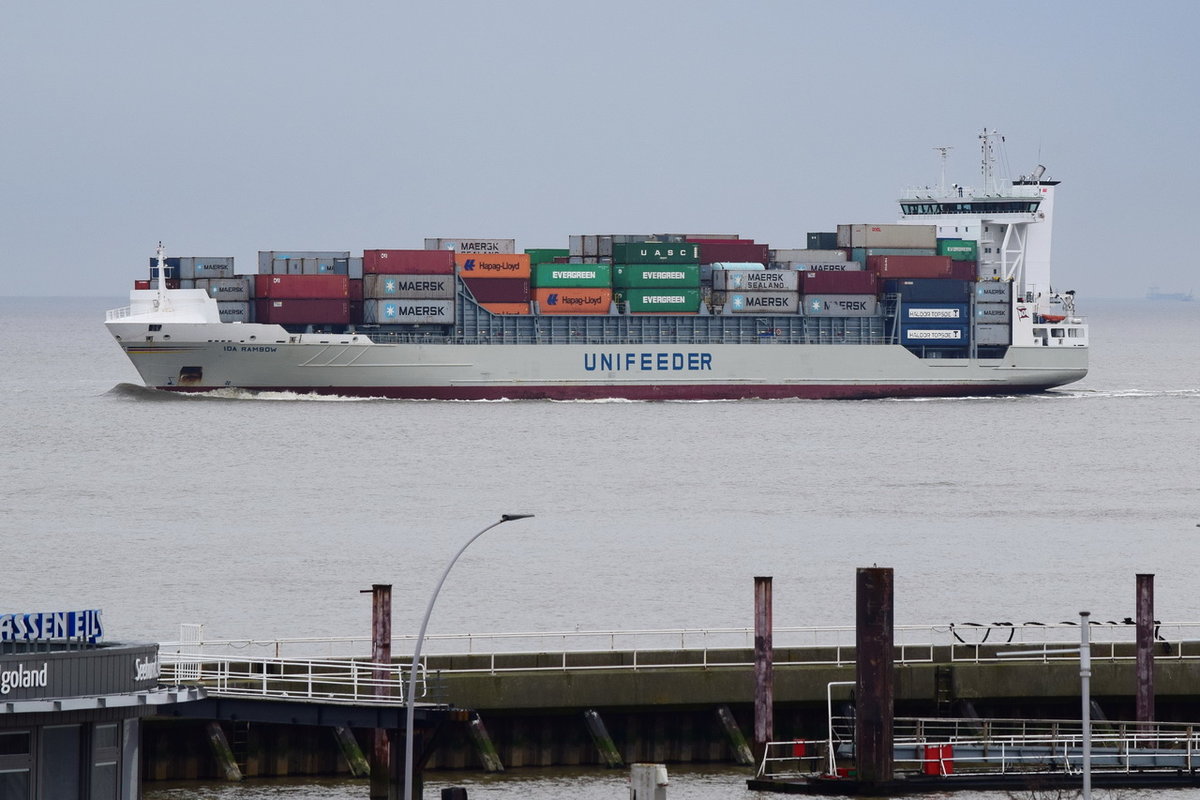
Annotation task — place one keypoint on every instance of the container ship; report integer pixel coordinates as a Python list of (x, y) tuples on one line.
[(953, 299)]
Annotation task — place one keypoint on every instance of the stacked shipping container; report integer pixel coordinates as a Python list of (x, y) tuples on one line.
[(408, 287)]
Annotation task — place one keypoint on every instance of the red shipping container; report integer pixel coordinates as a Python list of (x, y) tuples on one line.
[(507, 308), (356, 312), (964, 270), (742, 251), (302, 287), (306, 311), (910, 266), (141, 284), (498, 290), (838, 283), (409, 262), (356, 290)]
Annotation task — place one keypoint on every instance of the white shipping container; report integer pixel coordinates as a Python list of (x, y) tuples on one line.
[(758, 280), (993, 334), (840, 305), (757, 302), (803, 256), (408, 312), (887, 236), (477, 246), (409, 287)]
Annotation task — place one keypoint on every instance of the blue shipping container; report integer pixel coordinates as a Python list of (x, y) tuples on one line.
[(930, 290), (935, 335), (934, 313)]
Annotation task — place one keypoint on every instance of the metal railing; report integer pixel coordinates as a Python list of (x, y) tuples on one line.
[(118, 313)]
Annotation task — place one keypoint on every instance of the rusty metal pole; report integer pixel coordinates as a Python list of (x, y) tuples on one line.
[(764, 667), (381, 653), (875, 679), (1145, 647)]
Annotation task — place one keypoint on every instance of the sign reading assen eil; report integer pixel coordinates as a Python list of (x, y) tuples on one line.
[(45, 626)]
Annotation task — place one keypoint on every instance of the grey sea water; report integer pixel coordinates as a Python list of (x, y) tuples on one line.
[(264, 516)]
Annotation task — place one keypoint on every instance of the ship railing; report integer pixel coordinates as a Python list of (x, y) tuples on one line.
[(966, 643), (305, 679), (118, 313)]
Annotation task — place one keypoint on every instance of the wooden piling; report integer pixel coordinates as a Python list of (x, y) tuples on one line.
[(875, 679), (1145, 647), (359, 766), (604, 743), (741, 750), (764, 669), (222, 751), (483, 746), (381, 653)]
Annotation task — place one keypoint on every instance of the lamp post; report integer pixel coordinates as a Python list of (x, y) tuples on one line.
[(410, 694)]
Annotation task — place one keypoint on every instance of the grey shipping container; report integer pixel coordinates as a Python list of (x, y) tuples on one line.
[(226, 289), (408, 312), (476, 246), (324, 266), (757, 302), (236, 311), (987, 333), (808, 256), (760, 280), (187, 283), (880, 235), (832, 266), (191, 268), (993, 292), (993, 312), (575, 245), (265, 257), (839, 305), (409, 287), (354, 268)]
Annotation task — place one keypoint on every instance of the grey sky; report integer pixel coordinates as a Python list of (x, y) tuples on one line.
[(224, 128)]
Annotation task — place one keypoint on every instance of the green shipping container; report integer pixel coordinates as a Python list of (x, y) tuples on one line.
[(642, 276), (571, 275), (546, 255), (861, 254), (958, 249), (656, 253), (662, 301)]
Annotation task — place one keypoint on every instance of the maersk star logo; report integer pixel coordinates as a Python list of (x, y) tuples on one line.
[(739, 302), (738, 280), (391, 310), (389, 287), (814, 306)]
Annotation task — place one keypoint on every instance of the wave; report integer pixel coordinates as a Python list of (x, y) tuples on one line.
[(133, 391)]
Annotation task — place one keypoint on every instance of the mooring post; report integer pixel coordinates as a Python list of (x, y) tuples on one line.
[(359, 766), (741, 750), (381, 654), (222, 751), (764, 668), (604, 743), (875, 679), (1145, 647), (483, 745)]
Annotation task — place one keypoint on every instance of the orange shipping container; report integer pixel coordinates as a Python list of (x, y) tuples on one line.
[(507, 308), (492, 265), (573, 301)]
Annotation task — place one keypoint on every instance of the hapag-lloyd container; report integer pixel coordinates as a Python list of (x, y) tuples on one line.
[(596, 276), (992, 334), (954, 313), (838, 283), (879, 235), (993, 292), (302, 311), (505, 265), (267, 257), (408, 312), (744, 280), (498, 290), (410, 287), (745, 251), (993, 312), (839, 305), (644, 276), (757, 302), (236, 311), (473, 246), (226, 289), (657, 253), (910, 266), (952, 335), (302, 287), (662, 300), (408, 262), (573, 301)]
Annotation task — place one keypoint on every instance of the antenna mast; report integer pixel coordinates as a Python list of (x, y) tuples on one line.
[(945, 154), (989, 159)]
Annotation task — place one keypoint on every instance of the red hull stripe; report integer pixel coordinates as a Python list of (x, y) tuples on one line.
[(660, 392)]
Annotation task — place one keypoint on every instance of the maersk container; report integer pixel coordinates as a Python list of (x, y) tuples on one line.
[(992, 334), (409, 287), (926, 334), (186, 284), (302, 287), (302, 311), (643, 276), (838, 283), (823, 240), (193, 267), (408, 312), (546, 255), (324, 266), (993, 313), (498, 290), (909, 266), (503, 265), (656, 253), (880, 235), (570, 275), (714, 252), (760, 280), (408, 262), (930, 290), (839, 305), (954, 313), (226, 289), (265, 257), (757, 302), (958, 249), (801, 256), (993, 292), (573, 301), (476, 246), (235, 311), (832, 266), (664, 300)]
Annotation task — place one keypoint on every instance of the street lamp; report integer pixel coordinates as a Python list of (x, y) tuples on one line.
[(412, 673)]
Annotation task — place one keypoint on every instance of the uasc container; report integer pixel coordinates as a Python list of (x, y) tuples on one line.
[(408, 312), (408, 262), (573, 301), (512, 265), (655, 253), (840, 305)]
